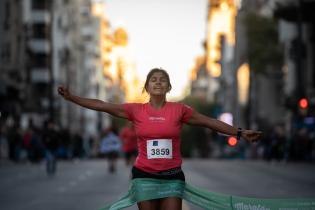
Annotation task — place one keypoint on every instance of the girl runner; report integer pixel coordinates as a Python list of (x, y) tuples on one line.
[(158, 124)]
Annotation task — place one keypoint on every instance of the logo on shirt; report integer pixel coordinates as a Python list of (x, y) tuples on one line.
[(157, 119)]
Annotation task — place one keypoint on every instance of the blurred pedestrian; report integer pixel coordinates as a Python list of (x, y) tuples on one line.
[(3, 142), (158, 124), (110, 147), (15, 141), (129, 140), (78, 150), (64, 150), (301, 147), (32, 143), (278, 141), (51, 142)]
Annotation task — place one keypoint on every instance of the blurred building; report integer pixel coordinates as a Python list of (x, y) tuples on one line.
[(259, 65), (55, 52), (229, 79), (45, 44), (284, 82), (13, 59), (200, 78), (124, 66), (118, 66), (220, 52), (37, 21), (67, 54), (213, 75), (264, 101), (297, 31), (76, 62), (92, 39)]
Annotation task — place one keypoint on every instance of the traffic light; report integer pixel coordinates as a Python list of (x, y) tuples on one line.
[(232, 141), (303, 103)]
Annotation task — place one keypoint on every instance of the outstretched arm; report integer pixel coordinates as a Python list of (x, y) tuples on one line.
[(222, 127), (95, 104)]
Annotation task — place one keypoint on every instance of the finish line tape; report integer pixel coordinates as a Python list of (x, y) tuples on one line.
[(142, 189)]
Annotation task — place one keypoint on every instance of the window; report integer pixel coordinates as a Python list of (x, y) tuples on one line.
[(41, 4), (40, 60), (6, 24), (5, 52), (40, 31)]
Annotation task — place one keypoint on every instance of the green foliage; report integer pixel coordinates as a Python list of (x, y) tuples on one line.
[(199, 105), (119, 123), (193, 137), (263, 46)]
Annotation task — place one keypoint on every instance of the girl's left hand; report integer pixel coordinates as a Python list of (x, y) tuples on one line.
[(251, 136)]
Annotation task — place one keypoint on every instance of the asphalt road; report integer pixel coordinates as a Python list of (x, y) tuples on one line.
[(87, 185)]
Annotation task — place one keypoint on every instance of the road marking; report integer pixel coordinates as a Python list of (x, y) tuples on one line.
[(62, 189), (21, 176), (82, 177), (89, 173), (73, 183)]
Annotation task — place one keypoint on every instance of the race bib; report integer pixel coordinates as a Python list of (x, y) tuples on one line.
[(159, 148)]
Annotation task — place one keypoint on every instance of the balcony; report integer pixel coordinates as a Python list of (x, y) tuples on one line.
[(40, 46), (40, 16), (40, 75), (41, 4)]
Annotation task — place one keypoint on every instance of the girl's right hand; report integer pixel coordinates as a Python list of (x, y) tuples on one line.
[(64, 92)]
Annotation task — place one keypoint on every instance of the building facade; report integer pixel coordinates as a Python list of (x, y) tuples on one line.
[(12, 59), (45, 44)]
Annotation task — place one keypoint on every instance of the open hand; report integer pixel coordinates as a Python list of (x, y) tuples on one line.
[(64, 92), (251, 136)]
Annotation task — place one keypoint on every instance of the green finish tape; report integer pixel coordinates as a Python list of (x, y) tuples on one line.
[(146, 189)]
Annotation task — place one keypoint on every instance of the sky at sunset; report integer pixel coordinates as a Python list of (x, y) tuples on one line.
[(162, 33)]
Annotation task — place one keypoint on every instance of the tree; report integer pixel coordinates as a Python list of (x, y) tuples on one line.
[(264, 48), (265, 55), (193, 137)]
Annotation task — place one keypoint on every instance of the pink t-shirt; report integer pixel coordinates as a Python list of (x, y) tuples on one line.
[(158, 133)]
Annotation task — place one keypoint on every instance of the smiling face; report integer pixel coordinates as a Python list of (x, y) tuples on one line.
[(158, 83)]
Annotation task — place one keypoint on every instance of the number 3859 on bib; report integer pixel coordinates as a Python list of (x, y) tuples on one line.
[(159, 148)]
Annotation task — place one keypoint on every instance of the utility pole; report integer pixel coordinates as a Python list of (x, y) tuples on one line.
[(51, 67), (299, 58)]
